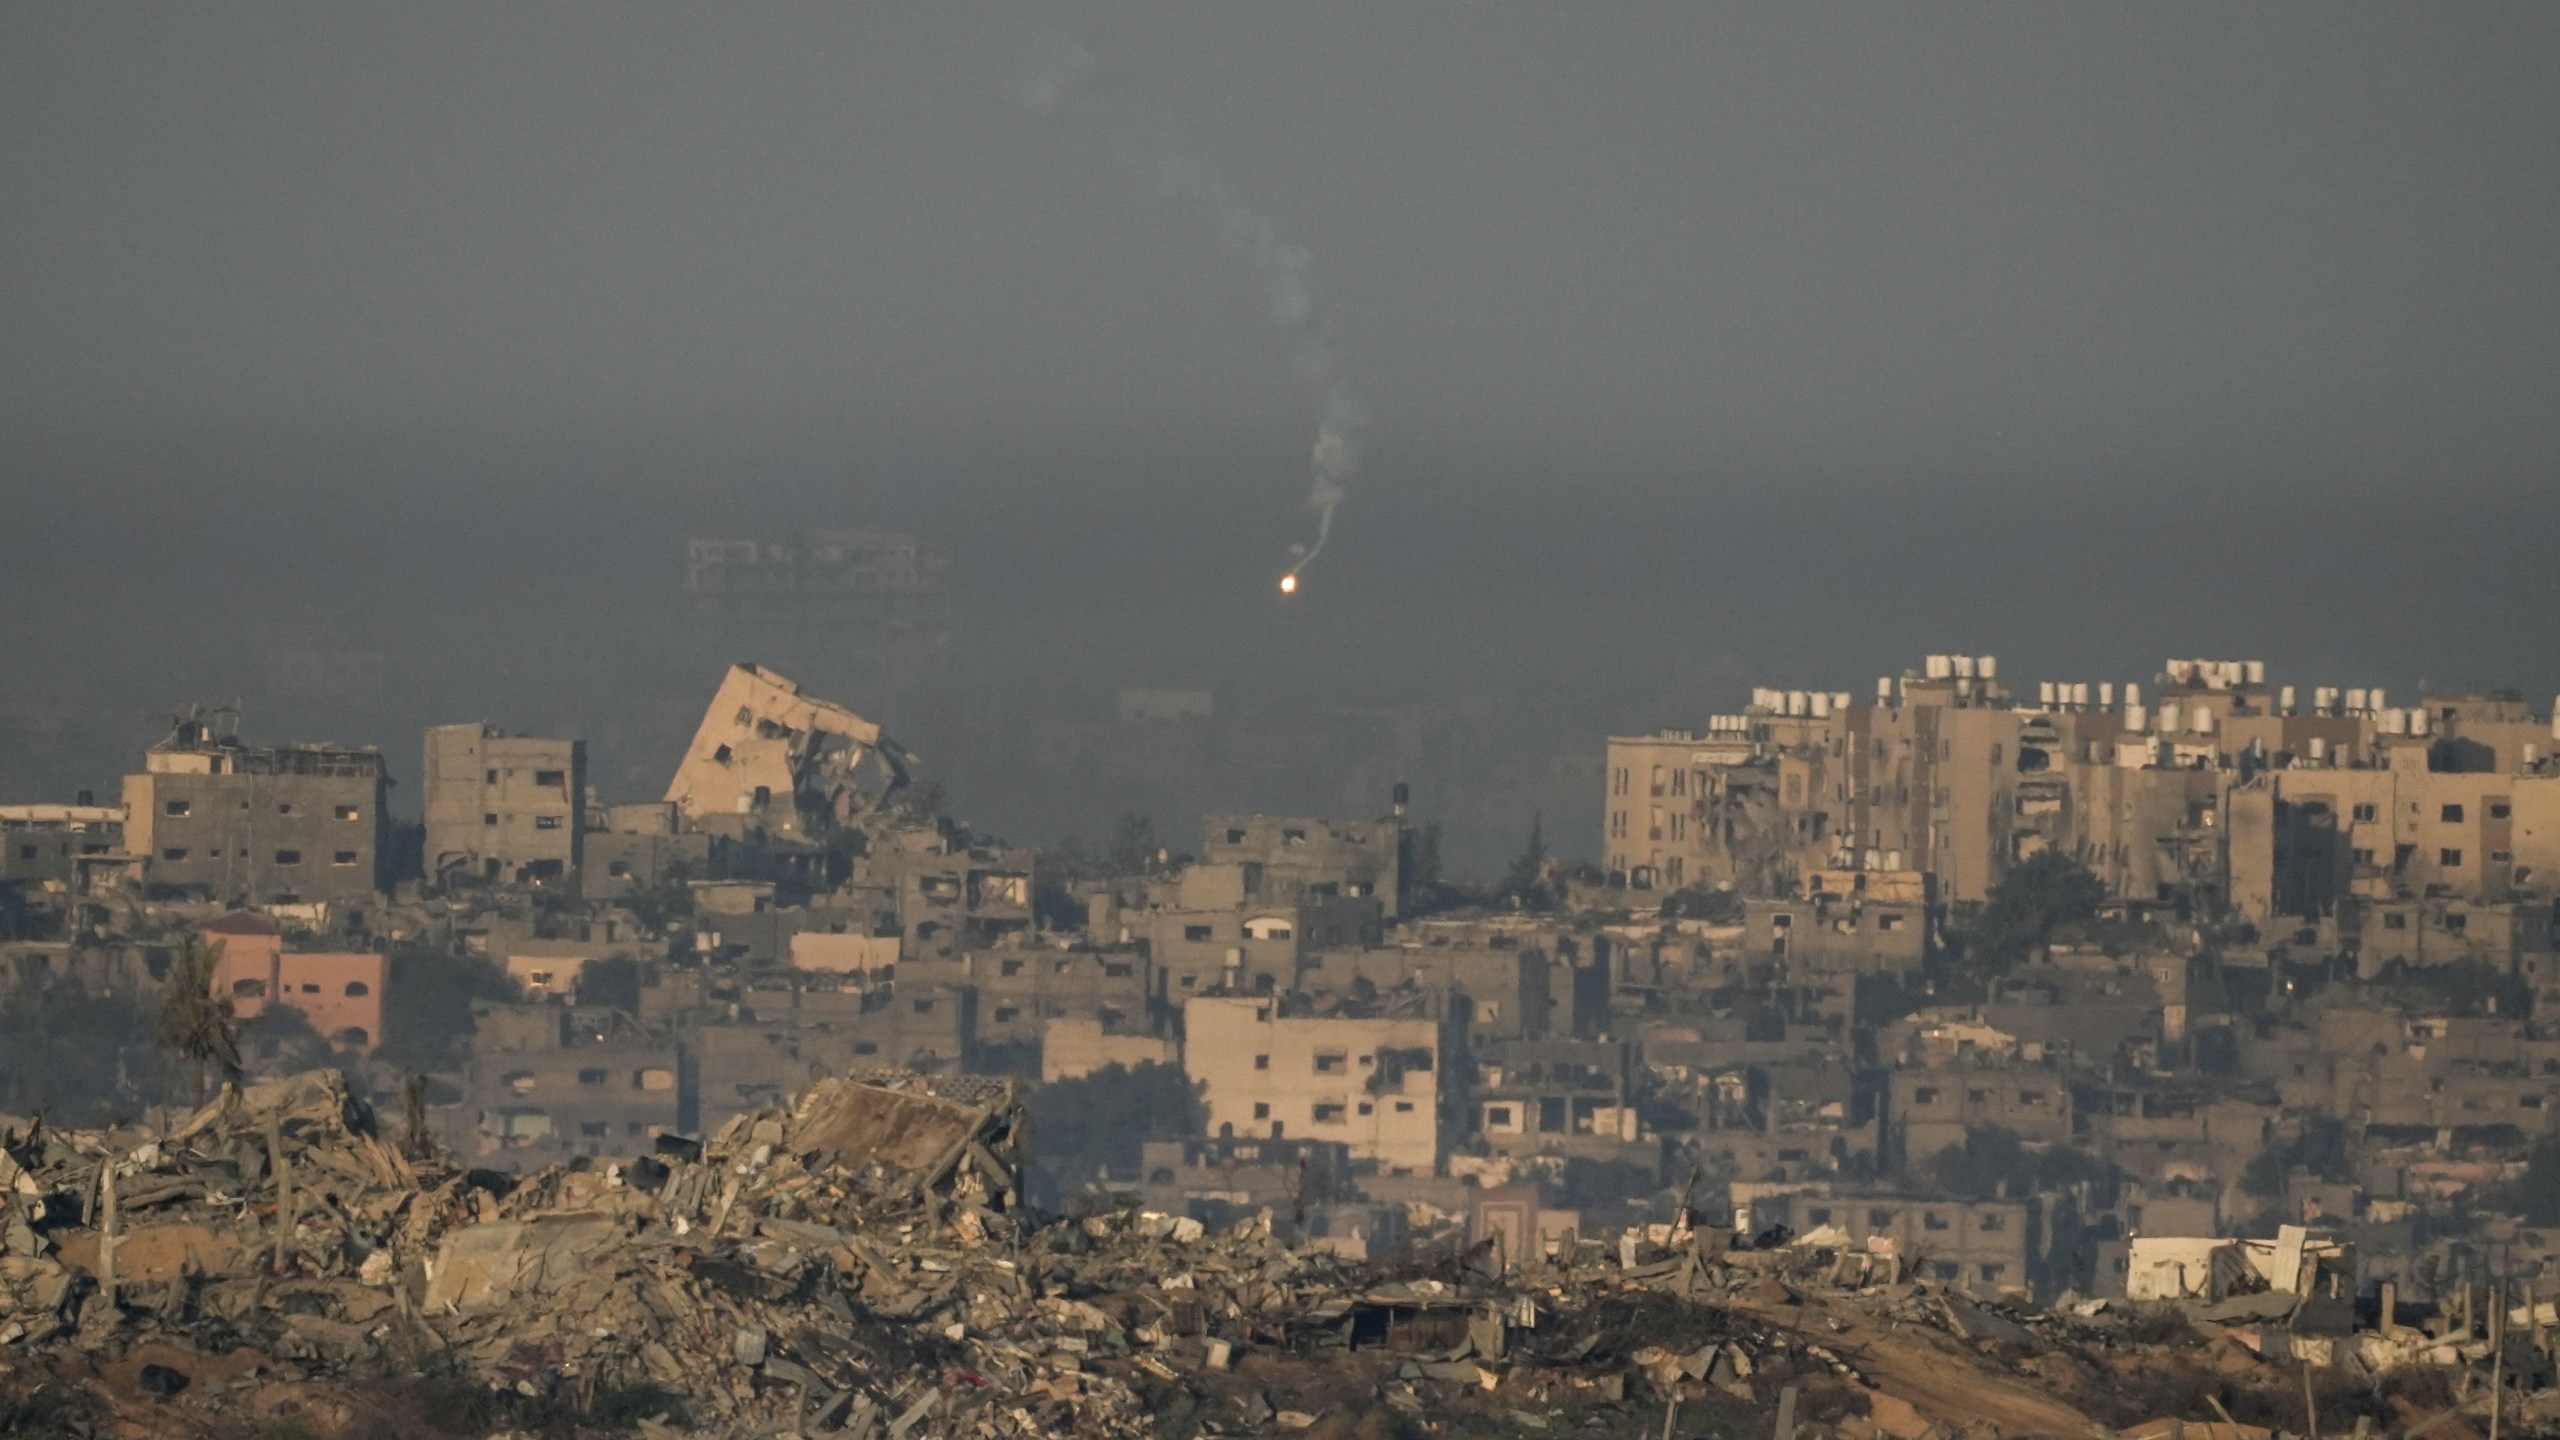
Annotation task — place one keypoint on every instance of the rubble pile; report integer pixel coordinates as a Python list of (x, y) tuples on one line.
[(860, 1263)]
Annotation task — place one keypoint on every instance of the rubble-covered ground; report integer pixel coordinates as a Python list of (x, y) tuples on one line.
[(861, 1265)]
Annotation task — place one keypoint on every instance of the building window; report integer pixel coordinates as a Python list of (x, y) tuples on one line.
[(2368, 812), (2456, 924), (1195, 932), (1009, 967), (1987, 1223), (2451, 814), (1261, 1062), (248, 989), (1932, 1220), (551, 779), (1879, 1219), (2361, 856), (344, 857), (288, 808), (1331, 1062), (924, 1007), (865, 1047), (591, 1077), (1261, 1110), (1330, 1112), (174, 852), (1992, 1270), (2450, 859), (1817, 1215), (288, 857), (489, 778), (2395, 920), (1498, 1117), (1404, 1107), (546, 822), (595, 1129), (349, 812), (177, 807), (1007, 1014), (619, 869), (357, 989), (488, 819)]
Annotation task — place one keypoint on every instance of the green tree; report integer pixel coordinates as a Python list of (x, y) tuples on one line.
[(195, 1027), (1713, 904), (1133, 845), (427, 1004), (2538, 1190), (1993, 1162), (1084, 1127), (2031, 904), (1526, 880)]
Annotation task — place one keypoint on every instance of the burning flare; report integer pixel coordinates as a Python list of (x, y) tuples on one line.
[(1289, 583)]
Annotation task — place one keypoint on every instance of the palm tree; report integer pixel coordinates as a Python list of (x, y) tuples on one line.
[(195, 1025)]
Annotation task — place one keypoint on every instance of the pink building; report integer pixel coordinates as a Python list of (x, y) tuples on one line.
[(339, 993)]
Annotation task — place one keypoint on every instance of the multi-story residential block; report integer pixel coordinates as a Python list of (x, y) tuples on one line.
[(504, 808), (215, 819), (1373, 1085)]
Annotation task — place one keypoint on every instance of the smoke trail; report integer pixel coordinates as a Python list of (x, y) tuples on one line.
[(1284, 271)]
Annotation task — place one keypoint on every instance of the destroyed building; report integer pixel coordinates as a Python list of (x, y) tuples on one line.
[(769, 760)]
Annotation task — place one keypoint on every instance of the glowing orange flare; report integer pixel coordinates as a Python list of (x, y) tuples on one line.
[(1288, 584)]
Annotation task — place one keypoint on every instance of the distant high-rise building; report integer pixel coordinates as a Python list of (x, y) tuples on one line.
[(858, 611)]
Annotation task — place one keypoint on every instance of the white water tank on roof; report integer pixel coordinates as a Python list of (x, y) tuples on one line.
[(2044, 693), (1964, 667), (2080, 693), (1938, 667), (1821, 704), (2106, 694), (1884, 689), (2373, 697), (2169, 717), (2200, 720), (2355, 699), (1987, 666), (2284, 699), (2421, 722), (2319, 749), (2257, 672), (2137, 718), (2132, 692)]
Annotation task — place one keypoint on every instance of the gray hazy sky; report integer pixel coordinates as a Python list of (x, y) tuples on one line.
[(1813, 334)]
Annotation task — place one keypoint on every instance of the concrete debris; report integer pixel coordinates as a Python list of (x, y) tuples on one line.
[(860, 1263)]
